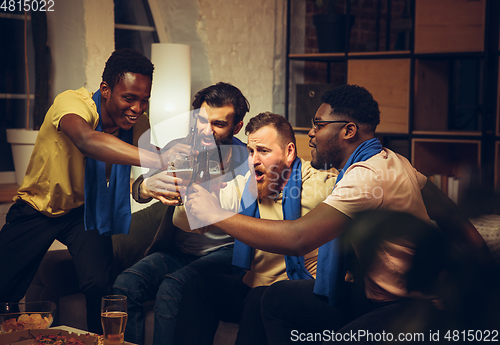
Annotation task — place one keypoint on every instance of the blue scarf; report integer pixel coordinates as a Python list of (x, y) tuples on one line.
[(107, 209), (243, 254), (330, 275), (239, 158)]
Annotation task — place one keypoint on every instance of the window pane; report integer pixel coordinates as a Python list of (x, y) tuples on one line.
[(6, 160), (12, 72), (138, 40), (13, 113), (135, 12)]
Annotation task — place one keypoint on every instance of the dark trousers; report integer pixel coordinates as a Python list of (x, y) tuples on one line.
[(292, 314), (208, 299), (26, 237)]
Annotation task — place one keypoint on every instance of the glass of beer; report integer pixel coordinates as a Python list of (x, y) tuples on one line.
[(182, 166), (215, 176), (113, 318)]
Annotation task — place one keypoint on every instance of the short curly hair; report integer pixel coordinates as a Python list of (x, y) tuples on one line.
[(123, 61), (220, 95), (355, 102)]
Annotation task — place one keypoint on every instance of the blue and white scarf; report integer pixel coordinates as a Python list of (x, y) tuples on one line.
[(330, 274), (107, 209), (243, 254)]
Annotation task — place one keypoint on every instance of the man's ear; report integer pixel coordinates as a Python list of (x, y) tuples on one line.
[(105, 90), (291, 153), (238, 127), (350, 130)]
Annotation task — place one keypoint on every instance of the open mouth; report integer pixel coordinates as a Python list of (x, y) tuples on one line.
[(131, 118), (207, 141), (259, 175)]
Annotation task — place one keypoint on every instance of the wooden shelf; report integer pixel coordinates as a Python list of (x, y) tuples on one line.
[(447, 98), (389, 82), (321, 57), (434, 96), (446, 156), (329, 57), (379, 54), (448, 133), (449, 25), (431, 91)]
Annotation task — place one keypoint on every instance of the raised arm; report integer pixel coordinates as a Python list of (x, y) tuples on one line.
[(108, 148), (286, 237)]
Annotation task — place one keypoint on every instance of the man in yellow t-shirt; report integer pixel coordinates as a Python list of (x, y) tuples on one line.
[(82, 132)]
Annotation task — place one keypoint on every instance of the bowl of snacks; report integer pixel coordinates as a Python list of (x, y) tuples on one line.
[(21, 316)]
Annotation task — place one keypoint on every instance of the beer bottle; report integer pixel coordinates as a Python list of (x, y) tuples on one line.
[(202, 173)]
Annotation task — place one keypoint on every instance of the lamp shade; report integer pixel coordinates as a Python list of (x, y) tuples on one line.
[(170, 93)]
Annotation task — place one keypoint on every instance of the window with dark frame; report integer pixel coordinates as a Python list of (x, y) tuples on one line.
[(13, 83), (134, 26)]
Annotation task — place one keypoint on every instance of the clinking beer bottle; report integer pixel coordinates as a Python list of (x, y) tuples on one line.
[(202, 174)]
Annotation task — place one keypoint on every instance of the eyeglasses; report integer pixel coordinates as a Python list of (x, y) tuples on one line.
[(315, 123)]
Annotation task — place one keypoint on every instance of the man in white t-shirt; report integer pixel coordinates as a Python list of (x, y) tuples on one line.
[(176, 256), (371, 178)]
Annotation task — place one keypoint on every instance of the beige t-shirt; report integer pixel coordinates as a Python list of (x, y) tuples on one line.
[(387, 181), (267, 268)]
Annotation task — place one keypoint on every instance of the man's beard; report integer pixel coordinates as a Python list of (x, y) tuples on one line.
[(273, 181), (330, 157), (224, 141), (228, 140), (222, 151)]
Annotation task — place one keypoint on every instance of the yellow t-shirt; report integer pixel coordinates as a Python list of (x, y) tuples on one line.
[(54, 180)]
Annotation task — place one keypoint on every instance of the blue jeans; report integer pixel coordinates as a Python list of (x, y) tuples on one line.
[(161, 277)]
